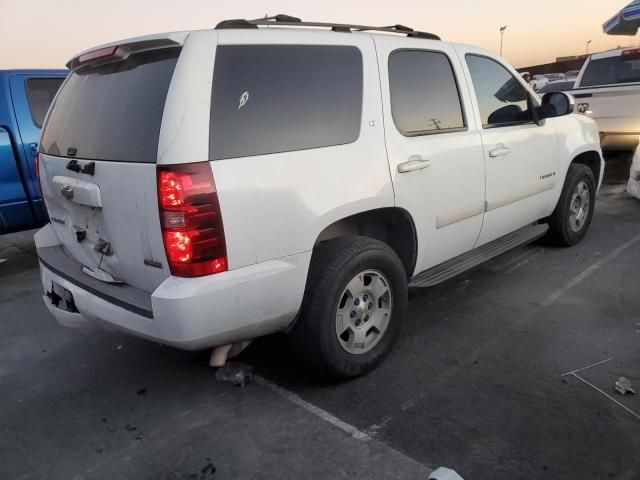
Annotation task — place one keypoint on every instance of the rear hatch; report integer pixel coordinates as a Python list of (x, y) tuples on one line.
[(98, 156)]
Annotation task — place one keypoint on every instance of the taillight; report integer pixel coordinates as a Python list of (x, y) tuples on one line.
[(633, 51), (191, 221)]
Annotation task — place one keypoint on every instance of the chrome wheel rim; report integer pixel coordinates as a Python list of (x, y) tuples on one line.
[(363, 312), (579, 207)]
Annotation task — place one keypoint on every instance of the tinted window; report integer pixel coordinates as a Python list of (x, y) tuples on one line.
[(424, 94), (279, 98), (40, 93), (629, 69), (501, 97), (112, 111), (556, 87), (601, 72)]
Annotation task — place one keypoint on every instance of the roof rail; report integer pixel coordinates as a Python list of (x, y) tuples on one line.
[(289, 21)]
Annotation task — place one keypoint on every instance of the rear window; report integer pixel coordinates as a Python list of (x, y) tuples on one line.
[(112, 111), (612, 70), (40, 94), (281, 98)]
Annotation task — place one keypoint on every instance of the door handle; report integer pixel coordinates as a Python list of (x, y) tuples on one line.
[(499, 151), (413, 165)]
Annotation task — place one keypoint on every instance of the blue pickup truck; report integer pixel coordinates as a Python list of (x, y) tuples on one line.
[(25, 96)]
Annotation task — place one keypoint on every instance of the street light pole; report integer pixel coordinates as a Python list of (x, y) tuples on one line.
[(502, 30), (588, 43)]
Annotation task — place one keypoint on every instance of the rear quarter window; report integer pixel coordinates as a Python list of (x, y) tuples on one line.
[(280, 98), (40, 94), (112, 111)]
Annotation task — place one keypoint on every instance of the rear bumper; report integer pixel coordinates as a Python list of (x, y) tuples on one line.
[(192, 313)]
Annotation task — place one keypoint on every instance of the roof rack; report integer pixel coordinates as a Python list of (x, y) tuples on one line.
[(289, 21)]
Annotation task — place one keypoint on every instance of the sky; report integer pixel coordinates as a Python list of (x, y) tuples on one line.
[(47, 33)]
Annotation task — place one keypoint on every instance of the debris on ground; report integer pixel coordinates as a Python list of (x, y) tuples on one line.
[(209, 468), (623, 386), (142, 391), (236, 373), (130, 428)]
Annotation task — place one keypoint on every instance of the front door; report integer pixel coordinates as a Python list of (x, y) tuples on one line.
[(433, 145), (520, 155)]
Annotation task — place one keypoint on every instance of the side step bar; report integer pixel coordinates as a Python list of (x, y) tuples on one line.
[(475, 257)]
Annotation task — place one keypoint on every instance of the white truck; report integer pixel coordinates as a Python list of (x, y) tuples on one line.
[(206, 188), (608, 90)]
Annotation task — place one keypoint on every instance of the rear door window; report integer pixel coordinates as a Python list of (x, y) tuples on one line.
[(424, 93), (601, 72), (40, 94), (112, 111), (629, 69), (281, 98), (612, 70)]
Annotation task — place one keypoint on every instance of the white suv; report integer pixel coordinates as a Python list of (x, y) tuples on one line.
[(206, 188)]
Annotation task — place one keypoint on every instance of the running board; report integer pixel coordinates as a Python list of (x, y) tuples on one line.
[(475, 257)]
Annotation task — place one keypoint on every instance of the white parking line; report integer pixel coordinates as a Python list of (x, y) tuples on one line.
[(333, 420), (586, 273), (317, 411)]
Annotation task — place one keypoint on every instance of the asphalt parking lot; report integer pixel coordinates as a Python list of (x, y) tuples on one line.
[(473, 384)]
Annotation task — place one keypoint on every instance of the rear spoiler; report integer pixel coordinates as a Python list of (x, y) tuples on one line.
[(122, 49)]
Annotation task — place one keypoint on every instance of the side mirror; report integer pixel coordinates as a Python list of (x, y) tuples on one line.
[(556, 104)]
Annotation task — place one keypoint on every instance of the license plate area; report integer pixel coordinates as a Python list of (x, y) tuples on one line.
[(61, 298)]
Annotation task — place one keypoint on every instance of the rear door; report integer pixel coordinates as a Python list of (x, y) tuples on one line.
[(434, 147), (98, 158), (31, 95)]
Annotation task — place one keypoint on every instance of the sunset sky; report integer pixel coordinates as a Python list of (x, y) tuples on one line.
[(46, 33)]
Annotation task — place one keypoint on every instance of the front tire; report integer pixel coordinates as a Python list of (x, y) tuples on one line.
[(355, 302), (571, 219)]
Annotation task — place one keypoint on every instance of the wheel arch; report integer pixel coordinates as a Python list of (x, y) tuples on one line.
[(593, 160), (391, 225)]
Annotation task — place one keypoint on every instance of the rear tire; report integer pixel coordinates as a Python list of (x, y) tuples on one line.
[(355, 302), (571, 219)]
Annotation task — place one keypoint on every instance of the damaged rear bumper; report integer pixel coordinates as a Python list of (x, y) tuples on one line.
[(187, 313)]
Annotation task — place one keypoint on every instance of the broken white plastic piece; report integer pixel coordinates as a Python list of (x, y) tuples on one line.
[(444, 474)]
